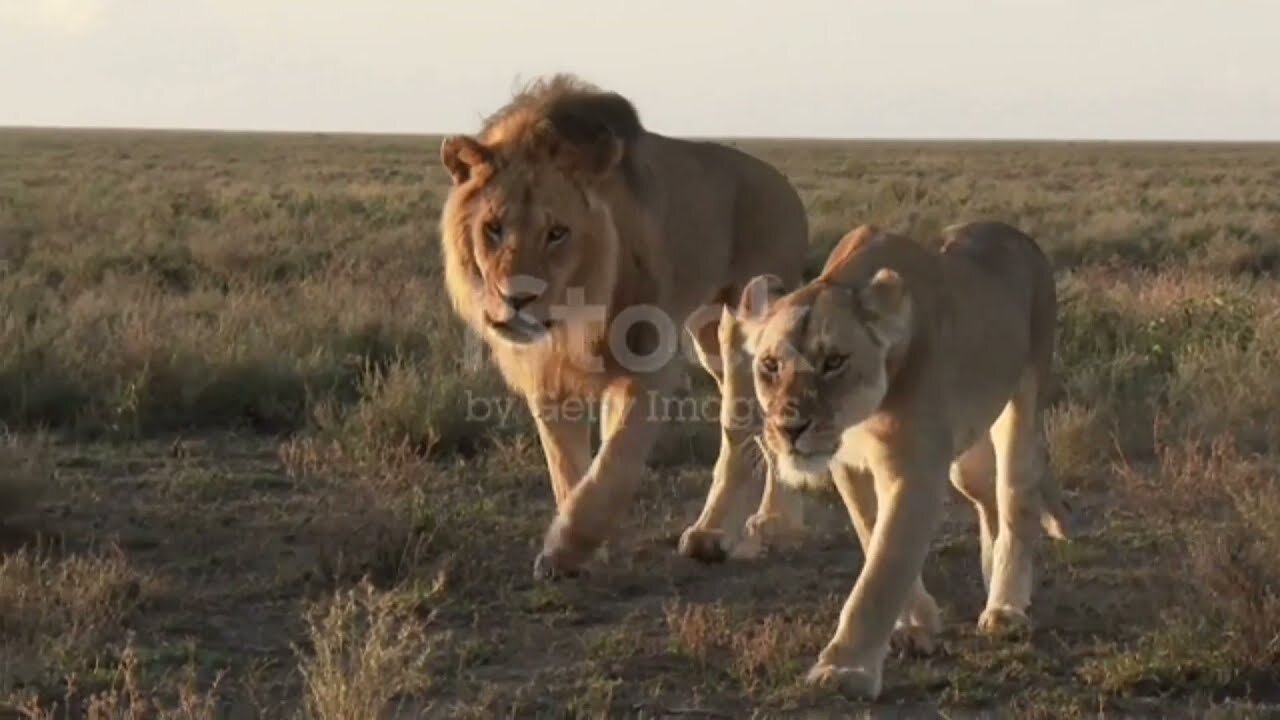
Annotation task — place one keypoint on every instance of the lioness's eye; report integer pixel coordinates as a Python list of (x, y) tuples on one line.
[(493, 231), (556, 234), (833, 363), (769, 365)]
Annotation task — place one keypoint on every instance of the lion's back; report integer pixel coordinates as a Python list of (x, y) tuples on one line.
[(716, 195)]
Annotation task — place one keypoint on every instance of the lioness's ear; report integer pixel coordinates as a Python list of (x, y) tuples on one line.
[(757, 297), (761, 292), (462, 156), (885, 298)]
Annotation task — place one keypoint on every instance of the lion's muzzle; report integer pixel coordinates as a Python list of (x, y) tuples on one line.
[(512, 317)]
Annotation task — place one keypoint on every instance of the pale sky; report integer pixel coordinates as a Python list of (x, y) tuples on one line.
[(1121, 69)]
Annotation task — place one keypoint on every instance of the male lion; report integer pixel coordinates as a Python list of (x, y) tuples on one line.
[(577, 243), (894, 369)]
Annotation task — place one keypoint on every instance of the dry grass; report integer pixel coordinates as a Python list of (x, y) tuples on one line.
[(57, 611), (253, 468), (369, 649)]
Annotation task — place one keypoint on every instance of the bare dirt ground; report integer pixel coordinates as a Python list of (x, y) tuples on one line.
[(239, 478)]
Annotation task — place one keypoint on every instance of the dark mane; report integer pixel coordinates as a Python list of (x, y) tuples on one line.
[(578, 111)]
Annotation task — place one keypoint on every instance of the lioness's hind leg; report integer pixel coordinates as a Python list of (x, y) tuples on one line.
[(974, 475), (1017, 497)]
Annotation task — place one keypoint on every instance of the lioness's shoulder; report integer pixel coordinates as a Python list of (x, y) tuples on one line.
[(868, 248)]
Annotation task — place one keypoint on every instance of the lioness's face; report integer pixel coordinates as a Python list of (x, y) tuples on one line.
[(819, 357)]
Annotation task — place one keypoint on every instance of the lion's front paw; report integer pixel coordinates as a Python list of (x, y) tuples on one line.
[(912, 639), (562, 556), (550, 566), (1003, 621), (703, 545), (855, 683)]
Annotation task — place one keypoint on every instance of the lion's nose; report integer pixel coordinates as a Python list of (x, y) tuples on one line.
[(518, 300), (792, 431)]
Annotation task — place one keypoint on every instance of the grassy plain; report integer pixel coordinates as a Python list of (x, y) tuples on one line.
[(238, 478)]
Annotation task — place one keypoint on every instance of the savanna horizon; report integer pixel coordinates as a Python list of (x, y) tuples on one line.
[(441, 133)]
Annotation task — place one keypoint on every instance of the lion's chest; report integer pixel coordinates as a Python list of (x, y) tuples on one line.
[(550, 370)]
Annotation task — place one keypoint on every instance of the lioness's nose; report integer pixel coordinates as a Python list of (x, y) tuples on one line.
[(794, 430), (518, 300)]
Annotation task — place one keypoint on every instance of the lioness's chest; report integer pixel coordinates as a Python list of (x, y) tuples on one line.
[(859, 449)]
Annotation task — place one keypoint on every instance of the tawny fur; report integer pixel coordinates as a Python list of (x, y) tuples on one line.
[(897, 368), (673, 225)]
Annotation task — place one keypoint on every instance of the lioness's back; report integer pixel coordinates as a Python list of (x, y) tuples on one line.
[(1012, 273), (994, 245)]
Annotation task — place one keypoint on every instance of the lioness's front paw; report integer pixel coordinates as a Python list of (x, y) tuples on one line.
[(915, 631), (772, 531), (1003, 621), (703, 545), (855, 683)]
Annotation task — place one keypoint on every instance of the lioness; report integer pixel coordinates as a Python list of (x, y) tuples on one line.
[(894, 369), (579, 244)]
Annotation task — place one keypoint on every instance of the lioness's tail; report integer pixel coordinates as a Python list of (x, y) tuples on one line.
[(1055, 515)]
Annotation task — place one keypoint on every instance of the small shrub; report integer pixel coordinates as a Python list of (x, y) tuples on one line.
[(368, 650)]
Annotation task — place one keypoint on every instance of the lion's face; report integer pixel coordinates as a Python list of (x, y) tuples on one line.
[(819, 361), (530, 233), (540, 241)]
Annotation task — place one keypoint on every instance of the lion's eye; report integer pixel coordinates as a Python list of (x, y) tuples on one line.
[(833, 363), (769, 365), (556, 234), (493, 231)]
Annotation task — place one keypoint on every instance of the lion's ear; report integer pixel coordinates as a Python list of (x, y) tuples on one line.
[(589, 150), (886, 299), (600, 156), (757, 297), (462, 155)]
